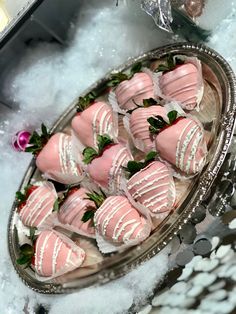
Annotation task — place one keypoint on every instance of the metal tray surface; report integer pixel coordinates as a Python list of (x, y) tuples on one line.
[(221, 85)]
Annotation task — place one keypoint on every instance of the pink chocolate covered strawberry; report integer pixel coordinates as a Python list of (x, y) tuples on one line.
[(54, 156), (105, 164), (139, 126), (35, 206), (118, 222), (180, 141), (132, 89), (182, 81), (93, 119), (152, 185), (73, 209), (53, 254)]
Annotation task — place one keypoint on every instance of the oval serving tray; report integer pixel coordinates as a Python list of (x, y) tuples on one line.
[(218, 119)]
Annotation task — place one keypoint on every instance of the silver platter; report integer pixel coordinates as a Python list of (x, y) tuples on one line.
[(218, 118)]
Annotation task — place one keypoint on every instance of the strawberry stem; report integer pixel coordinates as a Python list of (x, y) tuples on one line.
[(90, 153), (37, 142), (135, 166)]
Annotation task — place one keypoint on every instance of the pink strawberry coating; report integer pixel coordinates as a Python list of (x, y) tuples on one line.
[(183, 144), (106, 169), (56, 157), (139, 125), (181, 84), (153, 187), (73, 209), (96, 120), (132, 91), (118, 221), (56, 254), (39, 206)]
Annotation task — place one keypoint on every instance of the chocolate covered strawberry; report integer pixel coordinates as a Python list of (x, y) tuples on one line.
[(118, 222), (35, 206), (53, 254), (139, 126), (74, 207), (54, 156), (105, 164), (180, 141), (93, 118), (182, 81), (132, 89), (151, 184)]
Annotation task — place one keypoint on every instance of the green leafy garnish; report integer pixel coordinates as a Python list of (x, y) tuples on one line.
[(90, 153), (135, 68), (89, 214), (135, 166), (56, 206), (98, 199), (26, 254), (172, 116), (20, 197), (85, 101), (60, 200), (103, 141), (117, 78), (37, 142), (170, 65), (149, 102), (157, 123)]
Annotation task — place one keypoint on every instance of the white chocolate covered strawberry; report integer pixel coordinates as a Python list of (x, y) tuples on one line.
[(53, 254), (73, 209), (182, 81), (139, 126), (93, 119), (152, 186), (105, 165), (180, 141), (131, 89), (117, 221), (54, 156), (35, 206)]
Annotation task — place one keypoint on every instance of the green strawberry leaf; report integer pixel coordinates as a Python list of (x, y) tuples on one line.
[(89, 154), (162, 68), (135, 166), (97, 198), (149, 102), (89, 214), (20, 197), (172, 115), (136, 68), (103, 141), (171, 64), (24, 260), (84, 102), (36, 141), (26, 254), (156, 124), (56, 206), (116, 79), (150, 156)]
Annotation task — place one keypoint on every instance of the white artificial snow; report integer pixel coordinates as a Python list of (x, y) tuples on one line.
[(45, 82)]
